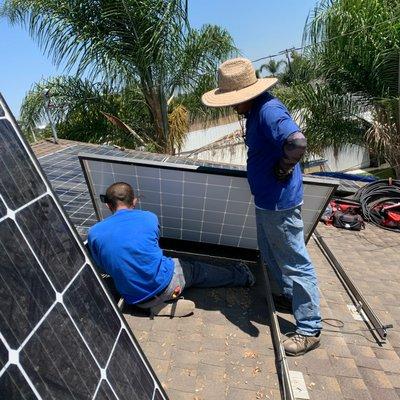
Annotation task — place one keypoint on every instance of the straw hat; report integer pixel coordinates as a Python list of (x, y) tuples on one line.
[(237, 83)]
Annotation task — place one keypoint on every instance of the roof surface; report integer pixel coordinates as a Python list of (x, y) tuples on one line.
[(225, 351)]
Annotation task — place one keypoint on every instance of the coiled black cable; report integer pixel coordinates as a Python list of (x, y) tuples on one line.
[(376, 194)]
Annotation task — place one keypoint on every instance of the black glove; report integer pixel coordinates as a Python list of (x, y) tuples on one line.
[(281, 175)]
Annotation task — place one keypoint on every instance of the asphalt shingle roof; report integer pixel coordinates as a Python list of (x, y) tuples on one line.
[(225, 351)]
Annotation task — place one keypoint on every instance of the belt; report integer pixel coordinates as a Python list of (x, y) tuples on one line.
[(153, 297)]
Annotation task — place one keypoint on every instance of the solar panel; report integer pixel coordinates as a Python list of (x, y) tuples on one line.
[(65, 174), (198, 204), (61, 336)]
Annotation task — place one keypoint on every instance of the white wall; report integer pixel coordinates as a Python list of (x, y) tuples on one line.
[(203, 137), (236, 154), (351, 157)]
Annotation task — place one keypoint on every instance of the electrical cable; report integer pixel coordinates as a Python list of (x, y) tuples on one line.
[(328, 40), (337, 323), (374, 196)]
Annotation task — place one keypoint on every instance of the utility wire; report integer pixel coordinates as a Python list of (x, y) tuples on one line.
[(326, 41)]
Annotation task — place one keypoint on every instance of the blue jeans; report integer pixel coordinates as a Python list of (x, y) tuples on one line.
[(281, 242), (199, 274)]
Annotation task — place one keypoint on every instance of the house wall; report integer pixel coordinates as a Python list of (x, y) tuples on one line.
[(203, 137), (351, 157)]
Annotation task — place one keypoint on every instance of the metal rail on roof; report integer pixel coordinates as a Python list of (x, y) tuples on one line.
[(355, 294), (283, 368)]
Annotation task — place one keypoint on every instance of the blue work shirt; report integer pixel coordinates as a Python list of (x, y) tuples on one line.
[(125, 246), (268, 125)]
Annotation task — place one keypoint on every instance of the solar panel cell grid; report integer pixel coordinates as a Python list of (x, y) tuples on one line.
[(95, 318), (207, 205), (63, 170), (27, 294), (3, 209), (3, 355), (14, 386), (129, 383), (57, 360), (105, 392), (65, 174), (60, 334), (19, 181), (51, 240)]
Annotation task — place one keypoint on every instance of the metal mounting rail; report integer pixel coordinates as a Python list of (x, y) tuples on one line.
[(354, 292), (286, 386)]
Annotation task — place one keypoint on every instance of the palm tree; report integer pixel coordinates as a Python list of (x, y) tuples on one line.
[(77, 108), (271, 66), (327, 118), (300, 70), (142, 43), (356, 47)]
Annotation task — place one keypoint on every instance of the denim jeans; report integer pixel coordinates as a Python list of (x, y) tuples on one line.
[(199, 274), (281, 242)]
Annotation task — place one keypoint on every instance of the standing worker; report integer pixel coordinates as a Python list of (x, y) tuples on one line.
[(275, 146)]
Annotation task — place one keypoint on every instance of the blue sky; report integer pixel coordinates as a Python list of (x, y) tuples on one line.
[(259, 28)]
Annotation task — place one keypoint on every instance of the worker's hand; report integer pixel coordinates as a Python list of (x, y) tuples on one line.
[(281, 175)]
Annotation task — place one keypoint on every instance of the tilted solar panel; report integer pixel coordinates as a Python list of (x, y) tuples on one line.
[(195, 203), (61, 336)]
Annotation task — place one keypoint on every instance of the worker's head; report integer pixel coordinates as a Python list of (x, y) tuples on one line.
[(120, 196), (243, 108), (238, 85)]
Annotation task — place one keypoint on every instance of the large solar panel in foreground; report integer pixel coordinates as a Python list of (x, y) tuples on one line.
[(199, 204), (61, 336)]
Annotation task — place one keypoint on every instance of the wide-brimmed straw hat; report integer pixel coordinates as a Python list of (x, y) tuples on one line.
[(237, 83)]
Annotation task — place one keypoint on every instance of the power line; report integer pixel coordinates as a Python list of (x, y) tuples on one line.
[(326, 41)]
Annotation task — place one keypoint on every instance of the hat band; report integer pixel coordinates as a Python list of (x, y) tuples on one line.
[(221, 90)]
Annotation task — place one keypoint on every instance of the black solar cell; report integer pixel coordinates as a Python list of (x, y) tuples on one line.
[(3, 210), (19, 180), (132, 383), (27, 294), (105, 392), (3, 355), (60, 334), (94, 316), (14, 386), (57, 360)]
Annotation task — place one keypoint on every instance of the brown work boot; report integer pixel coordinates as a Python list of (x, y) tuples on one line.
[(178, 308), (298, 344)]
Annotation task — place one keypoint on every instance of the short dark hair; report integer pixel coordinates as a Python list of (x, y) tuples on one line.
[(119, 192)]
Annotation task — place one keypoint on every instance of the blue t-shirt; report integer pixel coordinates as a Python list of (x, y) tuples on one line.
[(125, 246), (268, 125)]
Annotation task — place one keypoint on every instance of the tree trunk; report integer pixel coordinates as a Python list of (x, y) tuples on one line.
[(397, 171), (154, 100)]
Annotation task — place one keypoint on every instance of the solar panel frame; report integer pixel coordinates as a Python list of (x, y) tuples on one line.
[(198, 169), (18, 369)]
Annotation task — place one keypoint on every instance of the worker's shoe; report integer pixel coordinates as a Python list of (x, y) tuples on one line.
[(282, 303), (177, 308), (298, 344)]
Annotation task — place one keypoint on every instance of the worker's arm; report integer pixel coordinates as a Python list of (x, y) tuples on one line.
[(294, 148)]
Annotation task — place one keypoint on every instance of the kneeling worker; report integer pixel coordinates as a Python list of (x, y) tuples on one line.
[(125, 246)]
